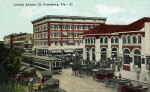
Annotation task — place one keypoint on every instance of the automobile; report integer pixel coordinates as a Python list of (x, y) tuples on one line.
[(23, 76), (132, 88), (46, 75), (51, 84), (34, 84), (103, 73)]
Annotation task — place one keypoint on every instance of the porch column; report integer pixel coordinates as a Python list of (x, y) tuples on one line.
[(84, 51), (97, 50), (109, 48)]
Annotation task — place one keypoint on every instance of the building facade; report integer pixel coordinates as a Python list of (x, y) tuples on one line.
[(130, 43), (56, 33), (21, 41)]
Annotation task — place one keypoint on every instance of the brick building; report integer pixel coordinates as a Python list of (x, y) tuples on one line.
[(21, 40), (131, 43), (56, 33)]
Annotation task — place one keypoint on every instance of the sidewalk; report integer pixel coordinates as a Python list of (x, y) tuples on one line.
[(130, 75)]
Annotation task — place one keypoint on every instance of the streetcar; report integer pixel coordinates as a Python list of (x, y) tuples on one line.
[(43, 62)]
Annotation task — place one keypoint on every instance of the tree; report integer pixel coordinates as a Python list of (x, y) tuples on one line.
[(11, 62)]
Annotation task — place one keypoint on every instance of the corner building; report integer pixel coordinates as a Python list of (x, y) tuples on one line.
[(131, 43), (53, 33)]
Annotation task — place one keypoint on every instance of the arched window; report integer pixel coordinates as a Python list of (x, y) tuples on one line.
[(106, 40), (103, 53), (88, 40), (116, 40), (139, 39), (112, 39), (134, 39), (129, 39), (87, 53), (124, 39), (93, 54), (85, 40), (114, 53), (126, 57), (94, 40), (137, 58), (101, 40), (91, 40)]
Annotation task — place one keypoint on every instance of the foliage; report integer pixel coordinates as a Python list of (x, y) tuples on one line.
[(11, 62), (9, 86)]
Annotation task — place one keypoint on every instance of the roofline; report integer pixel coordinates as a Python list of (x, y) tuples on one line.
[(63, 16), (116, 33)]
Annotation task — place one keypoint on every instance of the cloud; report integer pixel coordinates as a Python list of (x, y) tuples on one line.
[(29, 12), (106, 10)]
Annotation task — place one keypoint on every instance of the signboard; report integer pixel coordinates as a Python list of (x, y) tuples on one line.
[(68, 50), (57, 51)]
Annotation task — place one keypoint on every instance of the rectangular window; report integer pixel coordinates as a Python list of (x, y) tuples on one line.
[(52, 43), (64, 42), (34, 36), (76, 27), (76, 42), (69, 34), (64, 26), (70, 27), (81, 41), (81, 27), (91, 26), (46, 35), (58, 35), (45, 26), (42, 27), (75, 34), (34, 29), (58, 27), (37, 29), (52, 35), (52, 26), (86, 27)]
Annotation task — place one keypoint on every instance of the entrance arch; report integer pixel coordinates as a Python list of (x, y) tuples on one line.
[(103, 53), (126, 57), (137, 58), (114, 53)]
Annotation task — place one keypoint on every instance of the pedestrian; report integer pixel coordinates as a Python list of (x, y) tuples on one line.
[(138, 74), (93, 77), (120, 76)]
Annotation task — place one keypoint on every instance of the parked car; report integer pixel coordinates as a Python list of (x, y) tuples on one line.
[(51, 84), (46, 75), (103, 73), (24, 75)]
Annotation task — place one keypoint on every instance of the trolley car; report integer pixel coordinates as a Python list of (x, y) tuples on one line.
[(43, 62)]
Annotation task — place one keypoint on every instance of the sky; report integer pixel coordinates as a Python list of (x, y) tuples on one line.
[(16, 19)]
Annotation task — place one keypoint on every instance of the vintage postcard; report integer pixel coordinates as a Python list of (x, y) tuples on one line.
[(74, 46)]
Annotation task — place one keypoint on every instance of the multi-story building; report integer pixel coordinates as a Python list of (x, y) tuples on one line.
[(22, 40), (7, 41), (55, 33), (131, 43)]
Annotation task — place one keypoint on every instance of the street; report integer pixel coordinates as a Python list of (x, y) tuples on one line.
[(74, 83)]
